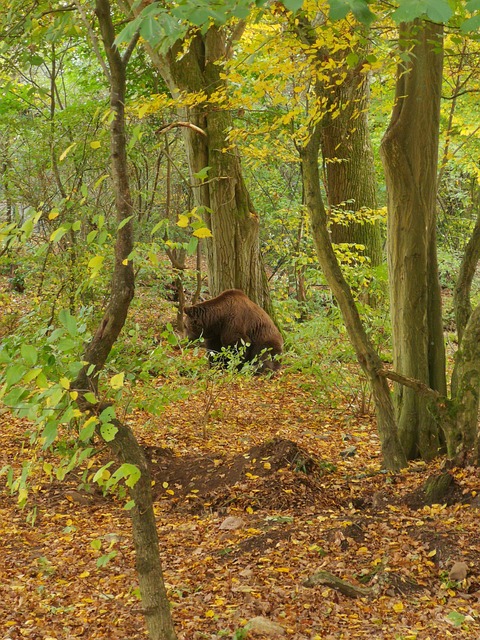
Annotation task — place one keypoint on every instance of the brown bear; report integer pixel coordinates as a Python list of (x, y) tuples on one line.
[(230, 319)]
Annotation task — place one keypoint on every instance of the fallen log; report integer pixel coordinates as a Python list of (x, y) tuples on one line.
[(327, 579)]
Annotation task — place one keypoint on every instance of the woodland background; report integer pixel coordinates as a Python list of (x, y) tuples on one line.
[(324, 158)]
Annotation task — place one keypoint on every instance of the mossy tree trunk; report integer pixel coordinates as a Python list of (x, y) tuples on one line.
[(410, 151), (233, 253), (349, 163), (346, 146)]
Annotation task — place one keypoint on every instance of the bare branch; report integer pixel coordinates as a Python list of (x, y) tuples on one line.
[(188, 125)]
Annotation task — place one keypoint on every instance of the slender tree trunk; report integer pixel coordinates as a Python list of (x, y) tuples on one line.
[(461, 293), (410, 152), (233, 253), (124, 446), (393, 456)]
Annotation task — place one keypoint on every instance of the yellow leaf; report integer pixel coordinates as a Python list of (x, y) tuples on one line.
[(283, 570), (209, 614), (53, 214), (398, 607), (164, 485), (204, 232), (73, 395), (267, 465), (65, 383), (85, 574), (432, 553), (125, 262), (249, 510), (182, 221), (67, 151), (116, 382), (96, 144), (170, 492)]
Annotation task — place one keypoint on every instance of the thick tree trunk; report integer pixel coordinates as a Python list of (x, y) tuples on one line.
[(233, 253), (124, 445), (463, 429), (349, 163), (410, 151), (393, 456)]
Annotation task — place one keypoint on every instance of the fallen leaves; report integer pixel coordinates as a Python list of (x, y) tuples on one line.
[(244, 517)]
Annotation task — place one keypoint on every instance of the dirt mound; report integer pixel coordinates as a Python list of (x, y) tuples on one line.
[(277, 474)]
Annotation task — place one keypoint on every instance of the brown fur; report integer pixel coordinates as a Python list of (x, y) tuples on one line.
[(229, 319)]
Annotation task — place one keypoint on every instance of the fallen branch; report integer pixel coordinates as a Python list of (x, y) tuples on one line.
[(329, 580)]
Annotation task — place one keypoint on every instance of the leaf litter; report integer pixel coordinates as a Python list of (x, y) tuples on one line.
[(303, 485)]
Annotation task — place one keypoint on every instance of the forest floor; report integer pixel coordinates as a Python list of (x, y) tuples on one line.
[(252, 497)]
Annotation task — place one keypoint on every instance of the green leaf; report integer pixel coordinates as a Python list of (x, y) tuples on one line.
[(49, 433), (202, 174), (90, 397), (14, 397), (471, 25), (15, 373), (129, 505), (293, 5), (124, 222), (29, 354), (103, 560), (96, 544), (150, 29), (68, 321), (438, 10), (192, 246), (107, 414), (87, 431), (58, 234), (66, 344), (473, 5), (409, 10), (108, 431), (126, 471), (455, 618)]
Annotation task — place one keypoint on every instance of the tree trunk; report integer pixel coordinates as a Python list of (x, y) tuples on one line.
[(233, 253), (410, 151), (466, 401), (393, 456), (124, 445), (461, 293), (349, 163)]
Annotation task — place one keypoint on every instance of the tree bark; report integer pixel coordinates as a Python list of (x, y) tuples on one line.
[(349, 163), (410, 152), (124, 446), (345, 139), (392, 452), (462, 430), (461, 293)]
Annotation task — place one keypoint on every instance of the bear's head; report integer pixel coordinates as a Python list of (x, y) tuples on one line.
[(193, 323)]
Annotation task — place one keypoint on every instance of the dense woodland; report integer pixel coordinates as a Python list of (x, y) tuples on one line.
[(321, 156)]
